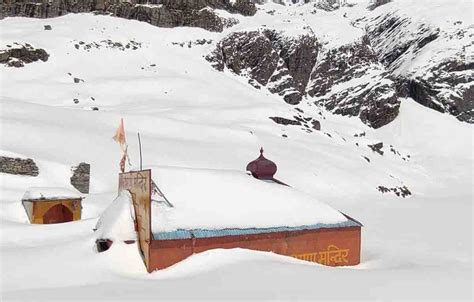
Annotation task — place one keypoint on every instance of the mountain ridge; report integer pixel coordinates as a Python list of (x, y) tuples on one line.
[(292, 58)]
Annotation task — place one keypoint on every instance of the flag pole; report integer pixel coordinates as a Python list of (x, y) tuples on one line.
[(140, 147)]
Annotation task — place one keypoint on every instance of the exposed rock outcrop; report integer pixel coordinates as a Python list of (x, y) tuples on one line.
[(367, 78), (284, 121), (327, 5), (377, 148), (307, 123), (401, 191), (349, 80), (130, 45), (269, 58), (442, 80), (163, 13), (19, 55)]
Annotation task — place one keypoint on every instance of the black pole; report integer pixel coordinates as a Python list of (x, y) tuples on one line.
[(140, 147)]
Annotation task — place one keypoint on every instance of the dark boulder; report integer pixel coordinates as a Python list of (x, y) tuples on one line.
[(22, 54), (284, 121), (316, 125), (377, 148)]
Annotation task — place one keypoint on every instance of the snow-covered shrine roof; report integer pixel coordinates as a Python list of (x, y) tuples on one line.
[(207, 202), (50, 193)]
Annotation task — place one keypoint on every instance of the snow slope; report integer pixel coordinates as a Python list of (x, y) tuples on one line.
[(189, 115)]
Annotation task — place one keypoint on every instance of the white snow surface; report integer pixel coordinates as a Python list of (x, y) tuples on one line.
[(117, 221), (219, 199), (50, 193), (453, 21), (189, 115)]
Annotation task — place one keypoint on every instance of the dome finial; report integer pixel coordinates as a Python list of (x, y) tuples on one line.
[(262, 168)]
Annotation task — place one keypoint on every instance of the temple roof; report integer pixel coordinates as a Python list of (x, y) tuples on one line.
[(50, 193), (209, 199)]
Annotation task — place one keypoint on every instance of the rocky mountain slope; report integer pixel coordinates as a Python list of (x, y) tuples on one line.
[(365, 77), (432, 59), (386, 50), (163, 13)]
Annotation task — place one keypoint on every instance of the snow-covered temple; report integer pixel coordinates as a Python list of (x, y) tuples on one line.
[(47, 205), (186, 211)]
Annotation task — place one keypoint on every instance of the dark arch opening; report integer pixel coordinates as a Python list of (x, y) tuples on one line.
[(57, 214)]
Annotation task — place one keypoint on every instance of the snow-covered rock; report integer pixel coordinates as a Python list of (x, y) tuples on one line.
[(18, 55), (429, 52), (269, 58), (350, 81)]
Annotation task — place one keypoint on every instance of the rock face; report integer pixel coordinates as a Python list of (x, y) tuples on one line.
[(291, 68), (19, 55), (164, 16), (18, 166), (282, 64), (349, 80), (416, 54), (80, 178), (400, 55), (163, 13)]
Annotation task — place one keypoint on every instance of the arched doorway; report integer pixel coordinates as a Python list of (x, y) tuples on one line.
[(57, 214)]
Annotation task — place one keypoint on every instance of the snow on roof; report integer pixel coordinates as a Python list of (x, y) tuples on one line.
[(225, 199), (35, 193), (117, 221)]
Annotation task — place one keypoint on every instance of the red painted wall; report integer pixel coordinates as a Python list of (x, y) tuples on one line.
[(334, 247)]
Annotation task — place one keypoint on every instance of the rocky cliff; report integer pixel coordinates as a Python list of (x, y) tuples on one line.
[(163, 13), (399, 55), (432, 63), (348, 80), (269, 58)]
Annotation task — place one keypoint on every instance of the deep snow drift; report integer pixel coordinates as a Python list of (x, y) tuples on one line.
[(191, 116), (117, 221)]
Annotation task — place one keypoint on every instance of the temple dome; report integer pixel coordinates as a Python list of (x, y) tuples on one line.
[(262, 168)]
